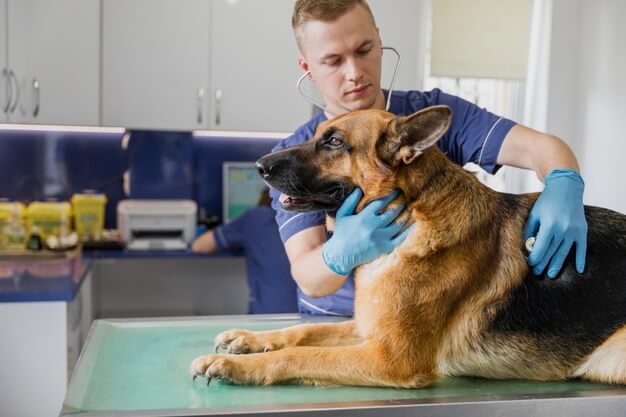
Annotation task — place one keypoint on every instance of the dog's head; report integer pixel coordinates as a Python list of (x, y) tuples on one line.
[(365, 149)]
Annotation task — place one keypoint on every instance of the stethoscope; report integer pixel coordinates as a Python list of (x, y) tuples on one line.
[(323, 107)]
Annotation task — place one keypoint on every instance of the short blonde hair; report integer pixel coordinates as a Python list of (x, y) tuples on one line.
[(324, 10)]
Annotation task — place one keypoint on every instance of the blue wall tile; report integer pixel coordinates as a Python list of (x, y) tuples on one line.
[(160, 165), (37, 165)]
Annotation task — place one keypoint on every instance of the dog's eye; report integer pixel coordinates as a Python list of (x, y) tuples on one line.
[(334, 142)]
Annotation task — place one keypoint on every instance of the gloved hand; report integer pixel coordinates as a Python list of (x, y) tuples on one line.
[(363, 237), (559, 216)]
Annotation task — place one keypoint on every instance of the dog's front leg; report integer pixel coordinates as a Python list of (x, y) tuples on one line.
[(364, 364), (313, 334)]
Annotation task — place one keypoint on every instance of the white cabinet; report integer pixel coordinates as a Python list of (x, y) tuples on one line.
[(155, 61), (41, 342), (50, 61), (220, 64), (173, 65), (255, 67)]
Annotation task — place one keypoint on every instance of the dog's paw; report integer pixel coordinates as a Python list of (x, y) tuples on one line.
[(214, 367), (231, 369), (243, 341)]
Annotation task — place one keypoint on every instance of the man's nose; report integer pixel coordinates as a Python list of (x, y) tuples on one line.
[(353, 70)]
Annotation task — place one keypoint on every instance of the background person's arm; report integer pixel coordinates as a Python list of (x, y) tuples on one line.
[(230, 236), (205, 243)]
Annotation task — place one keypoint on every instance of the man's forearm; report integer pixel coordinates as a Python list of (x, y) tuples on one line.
[(552, 153), (527, 148), (314, 278)]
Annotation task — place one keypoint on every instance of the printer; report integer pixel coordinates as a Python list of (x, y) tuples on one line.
[(156, 224)]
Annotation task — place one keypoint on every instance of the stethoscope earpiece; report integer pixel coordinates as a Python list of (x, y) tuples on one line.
[(307, 97)]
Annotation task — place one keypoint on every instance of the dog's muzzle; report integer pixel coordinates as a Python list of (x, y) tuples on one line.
[(300, 183)]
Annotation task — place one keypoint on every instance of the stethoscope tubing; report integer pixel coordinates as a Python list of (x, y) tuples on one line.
[(323, 107)]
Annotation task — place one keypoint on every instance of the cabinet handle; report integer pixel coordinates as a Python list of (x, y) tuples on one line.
[(36, 93), (218, 103), (9, 92), (200, 104), (17, 91)]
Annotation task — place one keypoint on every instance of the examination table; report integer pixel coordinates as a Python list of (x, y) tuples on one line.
[(140, 367)]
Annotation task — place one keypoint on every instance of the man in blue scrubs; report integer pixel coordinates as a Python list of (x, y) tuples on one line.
[(340, 46), (272, 290)]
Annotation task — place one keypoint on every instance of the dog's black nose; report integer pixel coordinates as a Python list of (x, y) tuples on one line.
[(263, 168), (272, 166)]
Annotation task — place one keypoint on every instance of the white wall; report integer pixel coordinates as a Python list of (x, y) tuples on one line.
[(587, 93)]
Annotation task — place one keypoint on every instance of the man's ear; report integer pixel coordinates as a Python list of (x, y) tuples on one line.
[(408, 137), (304, 66)]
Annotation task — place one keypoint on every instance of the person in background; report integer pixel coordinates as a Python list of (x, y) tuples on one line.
[(341, 50), (272, 289)]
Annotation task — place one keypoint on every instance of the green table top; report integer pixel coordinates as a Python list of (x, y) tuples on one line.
[(141, 367)]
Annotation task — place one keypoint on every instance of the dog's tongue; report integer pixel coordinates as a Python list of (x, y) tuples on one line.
[(285, 200)]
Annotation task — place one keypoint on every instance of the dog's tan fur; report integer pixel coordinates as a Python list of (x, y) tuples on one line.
[(424, 309), (606, 363)]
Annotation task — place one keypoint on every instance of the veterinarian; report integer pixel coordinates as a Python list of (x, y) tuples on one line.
[(272, 290), (341, 47)]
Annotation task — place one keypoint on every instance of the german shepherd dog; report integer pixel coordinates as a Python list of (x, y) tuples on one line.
[(457, 296)]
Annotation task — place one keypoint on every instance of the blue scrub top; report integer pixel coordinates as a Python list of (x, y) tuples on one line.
[(272, 289), (475, 135)]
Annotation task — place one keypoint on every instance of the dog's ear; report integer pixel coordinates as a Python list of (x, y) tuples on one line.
[(406, 138)]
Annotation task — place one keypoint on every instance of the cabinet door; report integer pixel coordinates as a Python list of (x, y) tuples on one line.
[(155, 63), (255, 67), (4, 80), (17, 34), (54, 53)]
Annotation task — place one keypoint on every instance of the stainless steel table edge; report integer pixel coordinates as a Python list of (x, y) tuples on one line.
[(261, 318), (609, 403)]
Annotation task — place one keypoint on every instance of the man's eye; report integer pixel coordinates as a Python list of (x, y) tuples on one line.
[(364, 51)]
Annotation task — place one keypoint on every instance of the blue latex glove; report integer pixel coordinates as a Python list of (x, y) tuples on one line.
[(363, 237), (559, 216)]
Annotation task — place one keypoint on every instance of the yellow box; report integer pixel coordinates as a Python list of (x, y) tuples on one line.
[(47, 216), (7, 208), (89, 215)]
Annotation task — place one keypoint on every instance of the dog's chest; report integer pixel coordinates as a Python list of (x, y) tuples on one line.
[(371, 272), (372, 294)]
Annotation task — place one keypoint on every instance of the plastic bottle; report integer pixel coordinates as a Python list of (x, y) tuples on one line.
[(63, 228), (3, 238), (67, 238), (15, 232)]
